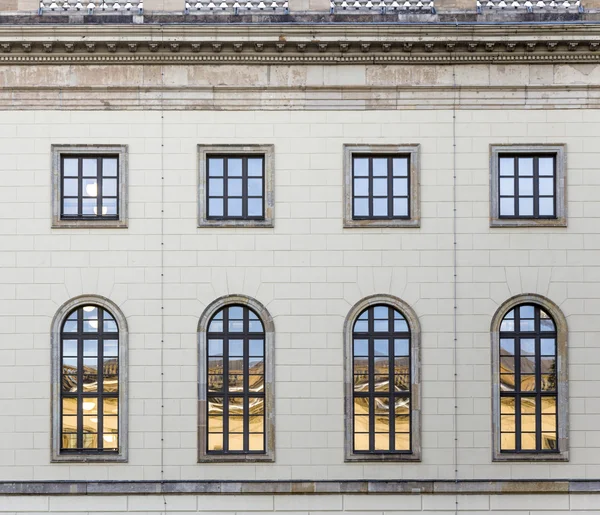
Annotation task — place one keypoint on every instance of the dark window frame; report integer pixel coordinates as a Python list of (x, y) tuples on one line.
[(371, 335), (537, 394), (100, 336), (390, 186), (536, 178), (244, 178), (245, 335), (99, 180)]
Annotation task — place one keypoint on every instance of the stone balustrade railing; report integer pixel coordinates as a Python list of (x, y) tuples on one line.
[(236, 6), (382, 5), (90, 6), (529, 5)]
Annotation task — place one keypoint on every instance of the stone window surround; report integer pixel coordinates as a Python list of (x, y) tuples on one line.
[(57, 323), (265, 317), (561, 185), (415, 398), (232, 149), (562, 377), (413, 151), (122, 152)]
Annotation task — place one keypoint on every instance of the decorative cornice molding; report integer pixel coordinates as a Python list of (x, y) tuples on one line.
[(377, 487)]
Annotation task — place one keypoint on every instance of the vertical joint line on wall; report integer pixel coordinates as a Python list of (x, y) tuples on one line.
[(455, 279), (162, 285)]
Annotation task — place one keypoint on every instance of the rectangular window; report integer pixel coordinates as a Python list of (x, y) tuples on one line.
[(527, 186), (89, 186), (236, 187), (381, 186)]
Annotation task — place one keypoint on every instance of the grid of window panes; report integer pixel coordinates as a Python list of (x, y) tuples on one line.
[(382, 381), (528, 381), (527, 186), (236, 382), (380, 187), (90, 187), (236, 187), (90, 381)]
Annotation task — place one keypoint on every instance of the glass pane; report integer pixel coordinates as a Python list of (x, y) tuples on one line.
[(381, 383), (236, 424), (361, 424), (111, 384), (255, 207), (400, 325), (546, 186), (361, 167), (69, 441), (527, 325), (234, 167), (361, 326), (255, 167), (528, 424), (525, 206), (402, 441), (507, 207), (507, 347), (256, 347), (400, 187), (256, 365), (234, 207), (236, 347), (90, 383), (90, 365), (507, 186), (215, 347), (90, 348), (507, 365), (507, 423), (401, 383), (527, 344), (361, 383), (215, 167), (236, 365), (215, 406), (400, 166), (507, 442), (507, 166), (380, 187), (90, 187), (549, 423), (215, 383), (382, 424), (402, 423), (90, 441), (528, 441), (90, 326), (380, 207), (215, 207), (256, 383), (69, 365), (361, 441), (380, 167), (71, 187), (361, 406), (255, 326), (527, 365), (215, 424), (381, 347), (525, 166), (234, 187), (382, 442), (507, 382), (256, 406), (89, 206), (527, 383), (109, 167), (236, 313), (549, 441), (236, 383), (400, 207), (361, 347), (401, 347), (215, 442), (548, 382), (70, 167), (361, 365), (361, 187), (402, 366), (236, 326), (69, 406), (548, 365), (69, 347), (111, 366), (109, 187), (69, 424), (216, 326), (548, 404), (256, 442), (110, 441), (215, 187), (90, 406), (361, 207), (90, 167), (528, 405), (507, 405), (546, 206), (525, 187), (255, 188), (548, 346), (70, 206), (109, 206), (90, 424), (546, 165)]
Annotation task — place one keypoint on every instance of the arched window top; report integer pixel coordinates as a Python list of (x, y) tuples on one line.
[(235, 318), (216, 310), (90, 318), (382, 377), (68, 312), (529, 358)]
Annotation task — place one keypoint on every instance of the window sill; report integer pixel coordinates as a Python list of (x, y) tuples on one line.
[(237, 458), (559, 456), (382, 457), (89, 224), (528, 222), (414, 223), (89, 458), (267, 223)]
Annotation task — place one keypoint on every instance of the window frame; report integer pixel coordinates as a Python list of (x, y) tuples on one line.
[(232, 150), (415, 388), (411, 151), (269, 394), (558, 151), (562, 393), (59, 152), (56, 345)]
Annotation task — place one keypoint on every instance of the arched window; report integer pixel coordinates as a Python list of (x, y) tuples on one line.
[(382, 374), (236, 401), (530, 350), (88, 353)]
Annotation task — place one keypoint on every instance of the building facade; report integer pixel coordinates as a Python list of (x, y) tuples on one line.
[(305, 258)]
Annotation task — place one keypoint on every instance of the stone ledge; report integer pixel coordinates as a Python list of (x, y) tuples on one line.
[(464, 487)]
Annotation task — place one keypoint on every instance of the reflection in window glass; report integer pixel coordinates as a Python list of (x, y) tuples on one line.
[(528, 381), (89, 381), (382, 381), (236, 382)]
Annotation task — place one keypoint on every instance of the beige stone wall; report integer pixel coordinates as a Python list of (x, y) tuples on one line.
[(308, 271)]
